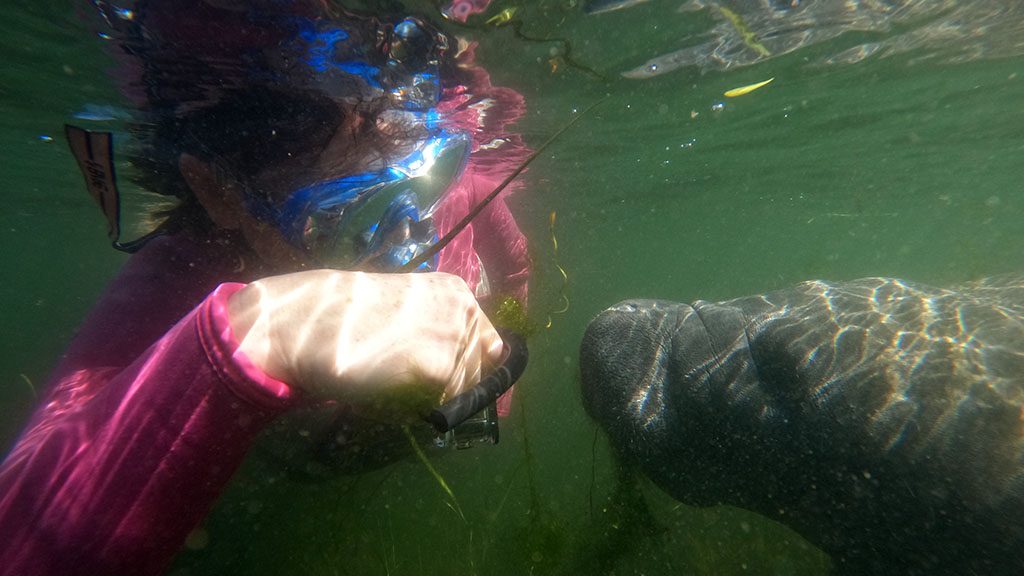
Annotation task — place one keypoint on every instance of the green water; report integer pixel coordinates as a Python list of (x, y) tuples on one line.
[(885, 167)]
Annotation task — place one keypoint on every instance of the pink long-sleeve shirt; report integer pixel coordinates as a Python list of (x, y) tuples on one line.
[(152, 409)]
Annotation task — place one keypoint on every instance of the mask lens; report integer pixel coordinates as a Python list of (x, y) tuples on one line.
[(388, 220)]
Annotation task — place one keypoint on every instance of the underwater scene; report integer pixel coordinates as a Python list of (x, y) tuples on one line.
[(776, 296)]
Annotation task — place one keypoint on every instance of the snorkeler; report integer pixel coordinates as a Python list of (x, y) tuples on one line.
[(299, 144)]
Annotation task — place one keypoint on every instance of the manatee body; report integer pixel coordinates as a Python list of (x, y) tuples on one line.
[(880, 419)]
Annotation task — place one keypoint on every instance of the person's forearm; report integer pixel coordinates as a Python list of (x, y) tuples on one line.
[(117, 467)]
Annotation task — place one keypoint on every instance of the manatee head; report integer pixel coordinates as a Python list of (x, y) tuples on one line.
[(656, 376)]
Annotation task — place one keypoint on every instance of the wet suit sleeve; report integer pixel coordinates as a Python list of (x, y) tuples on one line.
[(119, 465)]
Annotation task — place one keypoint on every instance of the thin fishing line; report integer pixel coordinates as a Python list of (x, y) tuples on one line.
[(433, 250)]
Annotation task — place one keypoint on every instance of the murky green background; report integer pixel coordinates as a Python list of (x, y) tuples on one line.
[(885, 167)]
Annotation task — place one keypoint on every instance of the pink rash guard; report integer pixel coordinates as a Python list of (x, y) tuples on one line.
[(493, 241), (152, 410)]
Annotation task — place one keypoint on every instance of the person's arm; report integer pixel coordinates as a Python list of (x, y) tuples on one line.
[(119, 465)]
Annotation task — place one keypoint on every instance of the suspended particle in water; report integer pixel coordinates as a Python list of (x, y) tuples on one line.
[(197, 539), (124, 13), (29, 381), (718, 106)]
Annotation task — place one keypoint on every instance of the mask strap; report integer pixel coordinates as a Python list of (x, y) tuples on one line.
[(94, 152)]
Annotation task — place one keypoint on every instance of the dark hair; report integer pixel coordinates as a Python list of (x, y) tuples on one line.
[(246, 132), (233, 104)]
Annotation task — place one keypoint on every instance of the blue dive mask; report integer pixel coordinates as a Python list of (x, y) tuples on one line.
[(401, 63), (380, 219)]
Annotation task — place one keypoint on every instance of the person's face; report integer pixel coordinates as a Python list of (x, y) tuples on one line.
[(223, 194)]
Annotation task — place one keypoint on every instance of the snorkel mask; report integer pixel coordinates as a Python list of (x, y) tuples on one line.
[(380, 219), (377, 220)]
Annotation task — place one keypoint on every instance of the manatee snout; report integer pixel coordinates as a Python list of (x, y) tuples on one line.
[(623, 354)]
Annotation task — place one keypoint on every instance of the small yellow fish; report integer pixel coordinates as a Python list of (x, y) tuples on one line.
[(746, 89), (501, 18)]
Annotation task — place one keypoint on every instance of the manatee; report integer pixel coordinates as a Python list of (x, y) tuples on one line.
[(879, 418)]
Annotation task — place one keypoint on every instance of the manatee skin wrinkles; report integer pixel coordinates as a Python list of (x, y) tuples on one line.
[(879, 418)]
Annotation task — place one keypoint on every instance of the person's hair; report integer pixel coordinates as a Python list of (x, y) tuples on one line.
[(237, 108)]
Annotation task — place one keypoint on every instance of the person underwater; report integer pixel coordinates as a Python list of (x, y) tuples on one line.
[(309, 152)]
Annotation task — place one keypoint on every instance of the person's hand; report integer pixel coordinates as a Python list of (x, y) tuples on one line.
[(395, 343)]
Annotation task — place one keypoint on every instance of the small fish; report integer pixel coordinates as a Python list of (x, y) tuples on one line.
[(602, 6), (746, 89), (501, 18)]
